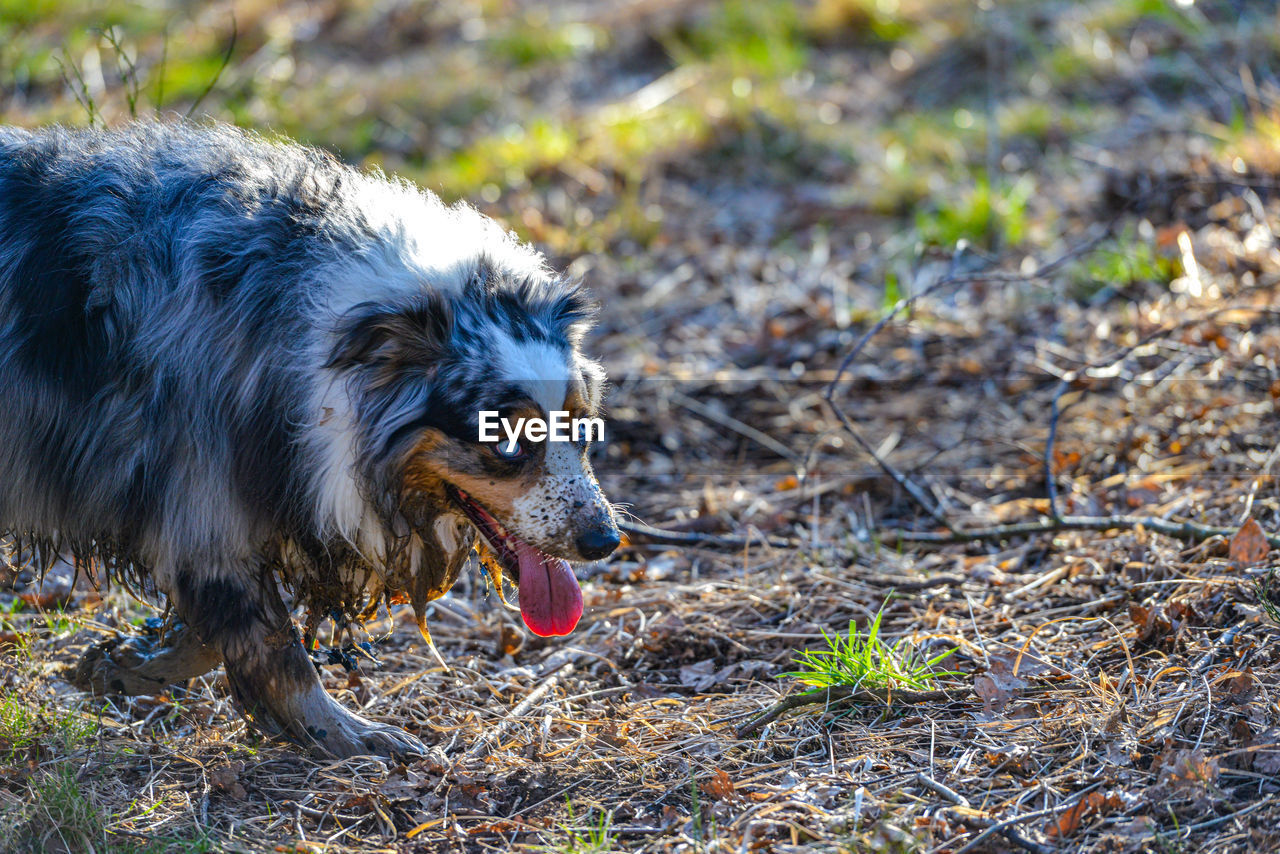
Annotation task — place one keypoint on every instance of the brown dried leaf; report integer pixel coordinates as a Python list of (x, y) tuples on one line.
[(1189, 771), (720, 786), (1249, 546), (996, 689), (1236, 684), (1151, 623), (1266, 758), (1092, 804), (699, 676), (227, 779), (1069, 821)]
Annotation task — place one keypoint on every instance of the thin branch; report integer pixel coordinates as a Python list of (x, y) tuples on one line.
[(640, 532), (162, 69), (217, 75), (126, 68), (1108, 363), (1008, 823), (844, 694), (1182, 530), (954, 797), (83, 96), (558, 665), (742, 429)]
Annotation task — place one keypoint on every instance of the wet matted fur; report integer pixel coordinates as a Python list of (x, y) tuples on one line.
[(233, 362)]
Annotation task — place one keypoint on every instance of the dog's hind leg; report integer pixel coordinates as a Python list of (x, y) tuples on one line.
[(144, 665), (271, 676)]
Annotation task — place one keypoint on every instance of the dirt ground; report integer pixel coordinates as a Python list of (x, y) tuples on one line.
[(1078, 200)]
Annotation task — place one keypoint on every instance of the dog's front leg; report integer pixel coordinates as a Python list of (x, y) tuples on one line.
[(273, 680)]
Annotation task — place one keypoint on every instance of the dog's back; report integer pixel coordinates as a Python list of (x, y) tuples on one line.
[(154, 333)]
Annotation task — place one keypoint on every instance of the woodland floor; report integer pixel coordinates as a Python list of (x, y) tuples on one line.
[(1085, 193)]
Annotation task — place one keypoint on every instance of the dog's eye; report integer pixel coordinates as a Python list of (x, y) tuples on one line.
[(509, 450)]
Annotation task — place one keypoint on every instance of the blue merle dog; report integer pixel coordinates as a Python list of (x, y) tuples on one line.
[(235, 366)]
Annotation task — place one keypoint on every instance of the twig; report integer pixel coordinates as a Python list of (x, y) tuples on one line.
[(954, 797), (843, 694), (946, 792), (1106, 363), (82, 94), (648, 533), (1226, 639), (126, 68), (217, 75), (742, 429), (558, 665), (903, 585), (1182, 530), (1001, 826)]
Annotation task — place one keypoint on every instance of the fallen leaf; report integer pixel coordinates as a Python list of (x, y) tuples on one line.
[(700, 676), (1236, 684), (1266, 758), (1092, 804), (1249, 546), (720, 786), (1069, 821), (1189, 772), (1137, 829), (227, 779), (996, 690), (1151, 622)]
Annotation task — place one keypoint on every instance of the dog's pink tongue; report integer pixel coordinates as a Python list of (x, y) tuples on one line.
[(550, 598)]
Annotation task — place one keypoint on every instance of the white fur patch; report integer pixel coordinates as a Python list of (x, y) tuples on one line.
[(448, 529), (543, 515), (340, 505), (542, 370), (419, 243)]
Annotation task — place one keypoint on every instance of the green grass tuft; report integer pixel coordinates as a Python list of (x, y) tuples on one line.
[(991, 217), (867, 662), (753, 37), (1269, 596), (1126, 260), (597, 837)]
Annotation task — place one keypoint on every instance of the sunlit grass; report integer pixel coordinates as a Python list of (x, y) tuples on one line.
[(994, 217), (596, 837), (1124, 260), (866, 661)]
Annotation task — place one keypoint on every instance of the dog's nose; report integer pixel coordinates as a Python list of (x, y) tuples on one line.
[(598, 542)]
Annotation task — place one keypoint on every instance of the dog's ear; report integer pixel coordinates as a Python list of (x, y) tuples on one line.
[(569, 311), (391, 337)]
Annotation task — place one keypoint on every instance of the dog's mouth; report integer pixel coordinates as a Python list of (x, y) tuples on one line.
[(550, 598)]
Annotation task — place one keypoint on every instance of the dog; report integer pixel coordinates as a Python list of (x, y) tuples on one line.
[(235, 365)]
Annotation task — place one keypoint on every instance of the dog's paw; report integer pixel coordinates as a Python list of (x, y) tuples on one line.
[(370, 739), (392, 742), (110, 667), (132, 665), (347, 734)]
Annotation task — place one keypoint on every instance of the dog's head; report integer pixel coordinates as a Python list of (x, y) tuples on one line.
[(427, 371)]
